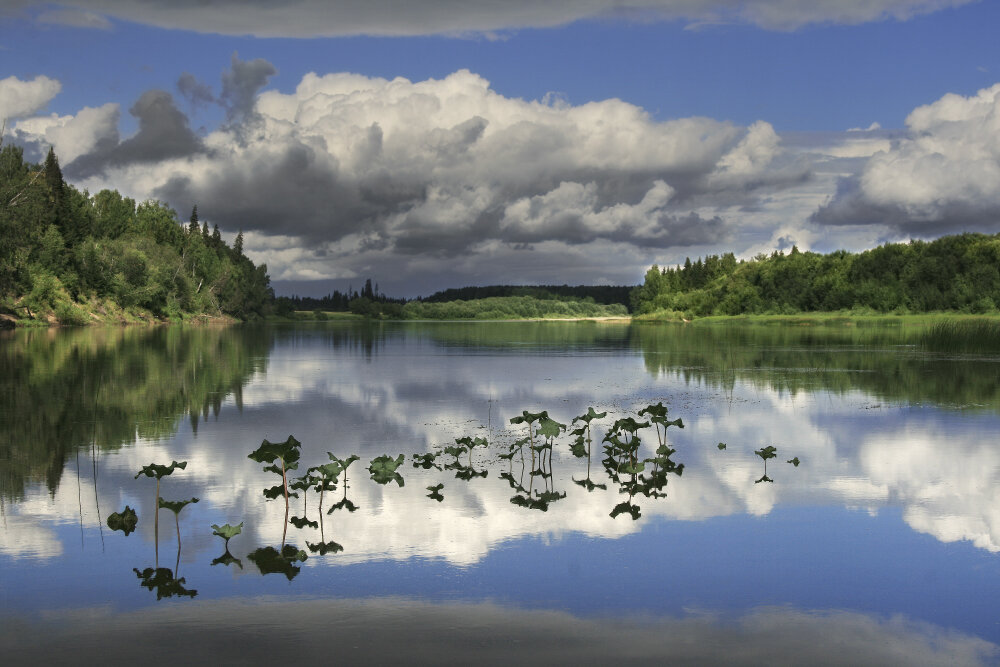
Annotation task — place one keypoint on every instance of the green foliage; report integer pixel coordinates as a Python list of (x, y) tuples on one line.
[(795, 462), (721, 446), (227, 532), (766, 453), (286, 453), (508, 308), (175, 506), (124, 521), (160, 471), (60, 245), (272, 561), (383, 469), (162, 580), (957, 273)]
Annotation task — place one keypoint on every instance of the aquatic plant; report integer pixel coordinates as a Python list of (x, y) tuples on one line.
[(658, 418), (529, 418), (975, 336), (795, 462), (721, 446), (766, 453), (425, 461), (272, 561), (287, 453), (227, 532), (124, 521), (326, 478), (383, 469), (158, 472), (176, 506), (324, 548), (162, 580), (435, 492)]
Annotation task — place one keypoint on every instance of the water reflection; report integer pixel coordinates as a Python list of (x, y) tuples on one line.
[(394, 629), (431, 395)]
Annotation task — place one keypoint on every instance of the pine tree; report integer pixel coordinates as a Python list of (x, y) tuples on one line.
[(193, 226), (238, 244)]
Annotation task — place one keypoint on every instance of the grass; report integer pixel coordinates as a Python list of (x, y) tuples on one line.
[(971, 335)]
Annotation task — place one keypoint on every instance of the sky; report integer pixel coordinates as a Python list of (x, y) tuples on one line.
[(438, 143)]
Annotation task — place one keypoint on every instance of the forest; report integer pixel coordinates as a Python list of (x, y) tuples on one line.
[(70, 257), (958, 273)]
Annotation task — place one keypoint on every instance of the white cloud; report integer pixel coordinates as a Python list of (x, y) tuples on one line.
[(943, 175), (362, 170), (23, 98), (313, 18), (72, 136)]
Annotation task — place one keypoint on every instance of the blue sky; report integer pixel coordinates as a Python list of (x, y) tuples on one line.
[(586, 142)]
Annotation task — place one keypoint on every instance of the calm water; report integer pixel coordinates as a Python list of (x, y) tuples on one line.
[(880, 547)]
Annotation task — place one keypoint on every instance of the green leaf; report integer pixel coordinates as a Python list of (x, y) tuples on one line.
[(271, 561), (549, 428), (268, 452), (795, 462), (721, 446), (124, 521), (590, 416), (385, 464), (176, 506), (226, 531), (160, 471), (766, 453), (324, 548), (163, 582), (301, 523)]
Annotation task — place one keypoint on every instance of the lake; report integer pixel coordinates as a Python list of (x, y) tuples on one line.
[(870, 537)]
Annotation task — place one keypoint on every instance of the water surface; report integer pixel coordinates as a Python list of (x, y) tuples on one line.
[(880, 546)]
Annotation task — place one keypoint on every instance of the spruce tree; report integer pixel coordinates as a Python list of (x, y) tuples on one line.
[(193, 226)]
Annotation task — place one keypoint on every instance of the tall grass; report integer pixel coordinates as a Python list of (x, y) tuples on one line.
[(967, 335)]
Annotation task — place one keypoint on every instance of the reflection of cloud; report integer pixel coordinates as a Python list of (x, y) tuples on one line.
[(23, 537), (952, 494), (402, 630)]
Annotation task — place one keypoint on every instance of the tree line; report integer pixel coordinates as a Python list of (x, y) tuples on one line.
[(74, 256), (953, 273)]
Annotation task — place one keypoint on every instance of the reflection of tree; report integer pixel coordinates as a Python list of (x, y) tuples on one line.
[(104, 387), (796, 359)]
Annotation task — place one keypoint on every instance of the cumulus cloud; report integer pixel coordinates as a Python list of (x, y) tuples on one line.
[(23, 98), (315, 18), (76, 18), (163, 134), (352, 165), (943, 175), (90, 130)]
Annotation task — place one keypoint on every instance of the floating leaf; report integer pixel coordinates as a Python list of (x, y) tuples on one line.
[(302, 522), (626, 508), (721, 446), (795, 462), (765, 478), (226, 531), (124, 521)]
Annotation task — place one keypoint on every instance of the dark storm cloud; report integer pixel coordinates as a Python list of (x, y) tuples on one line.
[(240, 85), (850, 206), (196, 93), (314, 18), (163, 134)]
